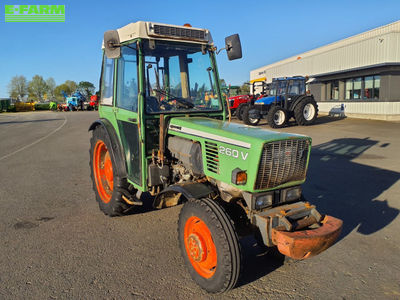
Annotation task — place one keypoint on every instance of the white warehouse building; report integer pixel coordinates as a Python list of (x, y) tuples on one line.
[(358, 76)]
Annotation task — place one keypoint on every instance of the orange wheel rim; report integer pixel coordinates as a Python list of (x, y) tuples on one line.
[(200, 247), (103, 171)]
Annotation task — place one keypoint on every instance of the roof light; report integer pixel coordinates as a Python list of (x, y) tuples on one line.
[(187, 25)]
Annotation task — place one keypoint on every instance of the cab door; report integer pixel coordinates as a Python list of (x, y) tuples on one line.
[(126, 111)]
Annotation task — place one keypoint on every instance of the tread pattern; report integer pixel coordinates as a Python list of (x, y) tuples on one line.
[(298, 111), (271, 114), (226, 241), (117, 206), (246, 118)]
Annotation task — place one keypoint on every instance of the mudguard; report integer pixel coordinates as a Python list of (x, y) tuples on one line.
[(171, 195), (116, 150), (297, 101)]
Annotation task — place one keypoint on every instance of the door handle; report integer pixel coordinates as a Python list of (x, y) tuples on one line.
[(132, 120)]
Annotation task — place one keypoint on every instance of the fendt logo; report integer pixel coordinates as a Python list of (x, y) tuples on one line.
[(35, 13)]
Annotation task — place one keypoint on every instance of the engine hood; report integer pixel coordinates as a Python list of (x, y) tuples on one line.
[(228, 132), (267, 100)]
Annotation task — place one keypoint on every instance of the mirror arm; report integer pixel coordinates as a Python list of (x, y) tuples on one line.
[(225, 48)]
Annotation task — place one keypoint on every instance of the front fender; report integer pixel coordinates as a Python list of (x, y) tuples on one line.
[(171, 195)]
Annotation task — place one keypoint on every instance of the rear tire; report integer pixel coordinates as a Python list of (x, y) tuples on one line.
[(107, 185), (277, 117), (209, 245), (239, 111), (246, 119), (306, 111)]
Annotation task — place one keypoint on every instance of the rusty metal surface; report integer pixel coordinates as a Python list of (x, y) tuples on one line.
[(307, 243)]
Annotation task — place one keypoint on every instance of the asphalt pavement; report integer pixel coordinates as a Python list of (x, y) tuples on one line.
[(56, 244)]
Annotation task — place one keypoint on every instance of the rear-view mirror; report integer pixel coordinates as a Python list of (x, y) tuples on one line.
[(233, 47), (112, 45)]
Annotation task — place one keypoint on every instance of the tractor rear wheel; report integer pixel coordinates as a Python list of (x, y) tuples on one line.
[(107, 185), (277, 117), (246, 118), (239, 111), (209, 245), (306, 111)]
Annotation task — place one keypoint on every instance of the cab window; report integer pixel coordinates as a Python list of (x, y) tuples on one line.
[(127, 80), (107, 81)]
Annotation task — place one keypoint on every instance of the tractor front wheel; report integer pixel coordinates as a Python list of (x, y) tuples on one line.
[(246, 116), (239, 111), (277, 117), (107, 185), (209, 245)]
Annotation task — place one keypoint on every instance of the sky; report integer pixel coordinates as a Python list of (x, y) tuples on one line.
[(269, 31)]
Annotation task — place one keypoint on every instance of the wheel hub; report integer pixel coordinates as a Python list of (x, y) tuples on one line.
[(196, 247), (200, 247), (308, 111), (103, 171), (279, 117)]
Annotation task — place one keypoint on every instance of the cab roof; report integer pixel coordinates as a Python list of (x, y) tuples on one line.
[(160, 31)]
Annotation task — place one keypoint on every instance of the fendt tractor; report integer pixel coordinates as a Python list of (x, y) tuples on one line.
[(161, 132)]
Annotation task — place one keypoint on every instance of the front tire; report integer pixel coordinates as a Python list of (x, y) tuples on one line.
[(277, 117), (306, 111), (107, 185), (246, 118), (239, 111), (209, 245)]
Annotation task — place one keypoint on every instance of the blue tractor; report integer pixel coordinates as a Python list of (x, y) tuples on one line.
[(287, 98), (74, 101)]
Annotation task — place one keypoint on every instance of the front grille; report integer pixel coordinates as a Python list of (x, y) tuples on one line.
[(212, 158), (282, 162), (179, 32)]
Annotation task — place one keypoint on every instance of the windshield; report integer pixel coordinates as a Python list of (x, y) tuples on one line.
[(272, 91), (296, 87), (179, 78)]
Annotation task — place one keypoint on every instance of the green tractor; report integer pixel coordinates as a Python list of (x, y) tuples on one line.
[(163, 131)]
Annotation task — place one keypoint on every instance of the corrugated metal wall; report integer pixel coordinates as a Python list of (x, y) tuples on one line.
[(380, 45)]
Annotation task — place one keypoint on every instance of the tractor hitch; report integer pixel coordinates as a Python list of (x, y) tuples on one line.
[(298, 230)]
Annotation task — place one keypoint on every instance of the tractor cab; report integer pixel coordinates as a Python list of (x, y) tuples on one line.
[(283, 89)]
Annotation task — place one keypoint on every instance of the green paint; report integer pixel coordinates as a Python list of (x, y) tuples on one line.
[(230, 136), (9, 9), (34, 13)]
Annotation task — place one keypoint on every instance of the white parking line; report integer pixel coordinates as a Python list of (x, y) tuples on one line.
[(35, 142)]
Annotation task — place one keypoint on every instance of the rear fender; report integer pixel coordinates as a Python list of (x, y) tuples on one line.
[(116, 151), (297, 101)]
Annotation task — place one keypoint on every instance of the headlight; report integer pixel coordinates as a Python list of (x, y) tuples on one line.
[(291, 194), (263, 201)]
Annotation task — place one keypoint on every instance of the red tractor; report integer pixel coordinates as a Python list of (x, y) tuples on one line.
[(237, 103), (94, 103)]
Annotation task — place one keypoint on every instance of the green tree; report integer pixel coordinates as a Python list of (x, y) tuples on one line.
[(37, 88), (18, 87), (245, 89), (72, 86), (86, 88), (68, 87), (51, 85)]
